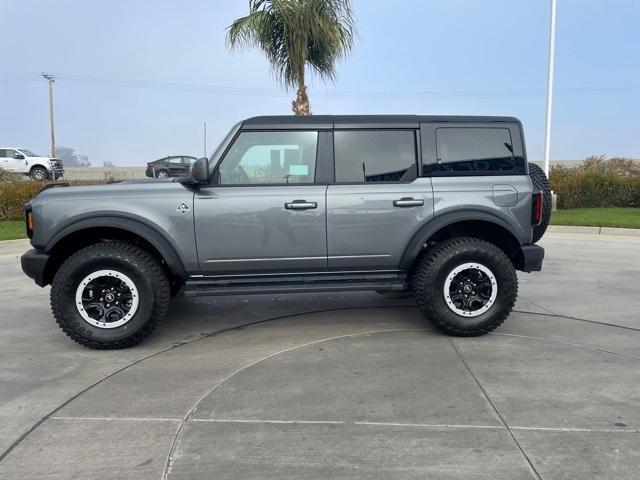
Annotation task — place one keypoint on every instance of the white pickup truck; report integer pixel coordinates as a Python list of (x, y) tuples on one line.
[(21, 160)]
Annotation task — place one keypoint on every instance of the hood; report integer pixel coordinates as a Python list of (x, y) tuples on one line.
[(123, 189)]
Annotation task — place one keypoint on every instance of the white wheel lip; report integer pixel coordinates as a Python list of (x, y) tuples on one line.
[(465, 266), (107, 273)]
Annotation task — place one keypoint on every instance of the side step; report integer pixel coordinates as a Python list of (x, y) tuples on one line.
[(296, 284)]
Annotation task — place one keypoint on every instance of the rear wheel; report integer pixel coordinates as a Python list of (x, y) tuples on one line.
[(109, 295), (162, 174), (540, 182), (465, 286)]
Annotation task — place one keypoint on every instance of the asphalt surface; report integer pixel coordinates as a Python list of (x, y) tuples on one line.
[(336, 386)]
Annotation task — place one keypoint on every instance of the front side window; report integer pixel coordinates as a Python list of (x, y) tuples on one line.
[(473, 150), (363, 156), (270, 158), (27, 153)]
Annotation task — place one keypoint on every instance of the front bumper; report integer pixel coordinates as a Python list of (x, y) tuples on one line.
[(56, 172), (532, 256), (34, 264)]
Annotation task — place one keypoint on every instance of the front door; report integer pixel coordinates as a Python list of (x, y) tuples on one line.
[(8, 160), (263, 212), (377, 202)]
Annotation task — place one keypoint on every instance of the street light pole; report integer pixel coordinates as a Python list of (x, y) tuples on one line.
[(51, 79), (205, 139), (552, 51)]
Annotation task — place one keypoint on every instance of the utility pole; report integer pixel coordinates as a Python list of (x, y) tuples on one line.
[(205, 139), (51, 79), (552, 52)]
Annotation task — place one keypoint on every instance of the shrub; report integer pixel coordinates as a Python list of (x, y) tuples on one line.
[(581, 188), (7, 176), (15, 193), (614, 165)]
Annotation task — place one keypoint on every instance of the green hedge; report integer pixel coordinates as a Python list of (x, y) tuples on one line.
[(584, 189), (14, 194)]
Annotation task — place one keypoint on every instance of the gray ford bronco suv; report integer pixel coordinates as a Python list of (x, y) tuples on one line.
[(446, 208)]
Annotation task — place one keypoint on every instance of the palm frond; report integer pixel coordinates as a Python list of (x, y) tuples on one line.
[(296, 34)]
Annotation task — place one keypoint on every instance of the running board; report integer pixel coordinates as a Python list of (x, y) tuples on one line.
[(297, 284)]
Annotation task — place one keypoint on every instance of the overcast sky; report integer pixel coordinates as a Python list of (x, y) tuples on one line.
[(137, 79)]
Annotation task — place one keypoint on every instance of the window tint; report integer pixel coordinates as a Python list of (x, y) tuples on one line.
[(475, 151), (174, 160), (375, 156), (2, 153), (270, 157)]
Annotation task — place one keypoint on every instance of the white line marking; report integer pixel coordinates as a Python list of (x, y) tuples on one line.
[(124, 419), (277, 422), (410, 425)]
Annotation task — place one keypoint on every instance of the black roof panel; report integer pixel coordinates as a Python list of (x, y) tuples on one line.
[(362, 121)]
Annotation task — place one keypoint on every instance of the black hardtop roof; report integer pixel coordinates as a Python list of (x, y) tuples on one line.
[(345, 121)]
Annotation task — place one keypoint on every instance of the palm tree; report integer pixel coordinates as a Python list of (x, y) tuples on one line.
[(294, 35)]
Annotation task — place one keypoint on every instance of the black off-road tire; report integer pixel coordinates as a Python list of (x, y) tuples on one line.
[(39, 174), (540, 182), (439, 261), (140, 266)]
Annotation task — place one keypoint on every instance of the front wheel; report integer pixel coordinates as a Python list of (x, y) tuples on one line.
[(39, 174), (465, 286), (109, 295)]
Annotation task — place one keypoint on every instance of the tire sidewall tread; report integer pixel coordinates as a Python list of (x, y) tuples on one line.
[(144, 270), (430, 274)]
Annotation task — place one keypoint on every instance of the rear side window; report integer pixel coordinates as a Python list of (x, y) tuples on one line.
[(375, 156), (474, 151)]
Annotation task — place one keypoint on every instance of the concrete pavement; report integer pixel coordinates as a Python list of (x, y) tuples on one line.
[(336, 386)]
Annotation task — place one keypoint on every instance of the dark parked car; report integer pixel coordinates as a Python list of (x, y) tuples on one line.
[(174, 166)]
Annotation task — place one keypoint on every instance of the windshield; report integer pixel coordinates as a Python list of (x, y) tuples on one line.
[(215, 158), (27, 153)]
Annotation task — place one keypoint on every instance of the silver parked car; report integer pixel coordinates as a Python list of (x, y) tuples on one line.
[(446, 208)]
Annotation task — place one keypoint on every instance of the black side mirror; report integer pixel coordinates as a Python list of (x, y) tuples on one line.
[(200, 170), (18, 156)]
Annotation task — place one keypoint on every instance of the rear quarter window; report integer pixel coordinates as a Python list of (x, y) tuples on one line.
[(474, 151)]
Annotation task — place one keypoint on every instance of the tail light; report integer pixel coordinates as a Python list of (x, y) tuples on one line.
[(149, 165), (536, 208), (28, 217)]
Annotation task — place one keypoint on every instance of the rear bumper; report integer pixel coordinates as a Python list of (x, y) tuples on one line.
[(533, 256), (34, 264)]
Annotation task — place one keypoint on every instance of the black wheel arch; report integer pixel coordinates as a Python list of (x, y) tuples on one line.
[(81, 233), (475, 224)]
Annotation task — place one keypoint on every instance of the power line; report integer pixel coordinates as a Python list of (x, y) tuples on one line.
[(211, 89)]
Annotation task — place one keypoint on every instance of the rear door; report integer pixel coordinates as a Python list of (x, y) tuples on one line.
[(377, 202), (265, 210)]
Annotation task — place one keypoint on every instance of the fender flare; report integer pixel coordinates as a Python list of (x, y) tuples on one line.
[(134, 225), (436, 224)]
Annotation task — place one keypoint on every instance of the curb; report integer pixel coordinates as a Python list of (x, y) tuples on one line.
[(622, 232)]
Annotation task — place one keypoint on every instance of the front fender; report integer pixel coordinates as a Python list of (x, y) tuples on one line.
[(132, 224)]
